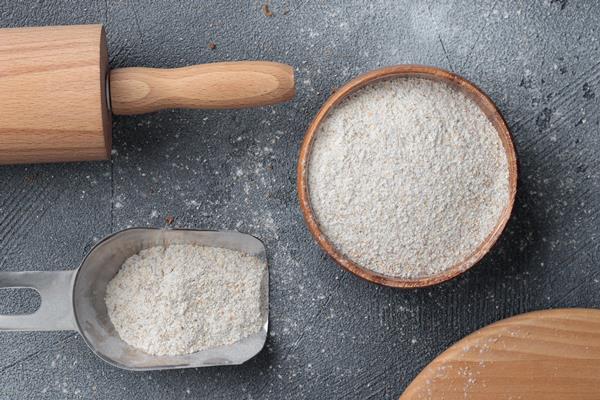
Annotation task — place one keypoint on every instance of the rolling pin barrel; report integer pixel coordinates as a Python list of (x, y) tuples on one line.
[(53, 95), (55, 84)]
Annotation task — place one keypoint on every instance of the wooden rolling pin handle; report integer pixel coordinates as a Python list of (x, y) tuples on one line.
[(210, 86)]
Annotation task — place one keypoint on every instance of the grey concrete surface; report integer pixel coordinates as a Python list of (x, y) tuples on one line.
[(332, 335)]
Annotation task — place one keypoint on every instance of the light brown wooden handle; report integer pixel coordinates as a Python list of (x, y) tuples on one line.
[(219, 85)]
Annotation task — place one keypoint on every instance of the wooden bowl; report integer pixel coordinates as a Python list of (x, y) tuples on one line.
[(407, 71)]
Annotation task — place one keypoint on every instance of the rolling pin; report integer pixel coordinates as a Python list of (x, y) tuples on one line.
[(57, 93)]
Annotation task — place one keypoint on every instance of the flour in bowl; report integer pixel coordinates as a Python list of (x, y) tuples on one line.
[(407, 177), (184, 298)]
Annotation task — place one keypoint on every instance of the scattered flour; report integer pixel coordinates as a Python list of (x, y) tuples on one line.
[(407, 177), (185, 298)]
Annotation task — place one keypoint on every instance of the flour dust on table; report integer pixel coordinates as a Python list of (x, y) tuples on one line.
[(407, 177)]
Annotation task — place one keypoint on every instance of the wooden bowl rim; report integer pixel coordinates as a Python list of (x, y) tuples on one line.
[(414, 71)]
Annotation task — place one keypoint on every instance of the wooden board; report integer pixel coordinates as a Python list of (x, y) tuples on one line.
[(551, 354)]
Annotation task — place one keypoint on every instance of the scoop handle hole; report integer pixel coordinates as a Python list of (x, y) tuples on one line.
[(54, 301), (19, 301)]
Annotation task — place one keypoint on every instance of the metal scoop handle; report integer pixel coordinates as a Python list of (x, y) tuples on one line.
[(56, 310)]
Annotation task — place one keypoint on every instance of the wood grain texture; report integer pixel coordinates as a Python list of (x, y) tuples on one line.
[(210, 86), (486, 105), (334, 336), (551, 354), (52, 82)]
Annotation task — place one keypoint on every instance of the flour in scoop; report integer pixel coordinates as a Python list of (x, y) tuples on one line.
[(407, 177), (184, 298)]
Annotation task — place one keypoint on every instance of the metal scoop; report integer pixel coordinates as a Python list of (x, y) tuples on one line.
[(74, 300)]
